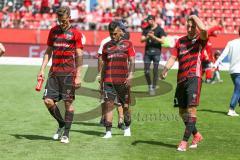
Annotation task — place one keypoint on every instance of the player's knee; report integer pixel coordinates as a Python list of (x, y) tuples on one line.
[(68, 106), (185, 117), (147, 71), (192, 111), (109, 104), (49, 102)]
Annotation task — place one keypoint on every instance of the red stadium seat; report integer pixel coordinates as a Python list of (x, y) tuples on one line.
[(229, 29), (217, 13), (216, 5), (226, 5), (46, 16), (228, 20), (207, 5), (209, 13), (236, 13), (227, 13), (28, 16), (38, 16), (235, 5), (237, 21)]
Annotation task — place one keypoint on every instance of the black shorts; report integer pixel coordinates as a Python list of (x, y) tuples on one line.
[(188, 92), (60, 88), (206, 65), (116, 92)]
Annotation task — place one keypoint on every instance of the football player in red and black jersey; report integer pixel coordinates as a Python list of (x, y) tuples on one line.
[(123, 26), (65, 49), (118, 66), (208, 56), (188, 52)]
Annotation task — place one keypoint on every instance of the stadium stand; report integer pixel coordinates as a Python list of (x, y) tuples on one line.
[(170, 14)]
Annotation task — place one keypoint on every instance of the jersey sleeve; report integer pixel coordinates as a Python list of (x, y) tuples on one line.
[(175, 51), (104, 53), (50, 38), (78, 39), (162, 33), (100, 50), (131, 51)]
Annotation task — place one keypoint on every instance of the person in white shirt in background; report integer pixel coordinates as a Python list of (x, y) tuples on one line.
[(2, 49), (216, 73), (232, 49)]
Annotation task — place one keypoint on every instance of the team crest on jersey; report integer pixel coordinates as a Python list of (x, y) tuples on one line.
[(194, 40), (69, 36), (68, 91)]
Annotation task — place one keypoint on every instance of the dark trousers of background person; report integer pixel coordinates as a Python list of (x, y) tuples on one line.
[(236, 93), (147, 63)]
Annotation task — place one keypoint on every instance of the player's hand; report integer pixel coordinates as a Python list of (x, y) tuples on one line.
[(163, 75), (98, 78), (40, 74), (151, 34), (77, 82), (192, 16), (128, 81)]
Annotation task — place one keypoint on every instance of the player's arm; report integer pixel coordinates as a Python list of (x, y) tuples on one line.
[(155, 38), (102, 75), (131, 67), (79, 63), (130, 70), (168, 66), (159, 37), (100, 61), (46, 58), (200, 26), (222, 56), (144, 38)]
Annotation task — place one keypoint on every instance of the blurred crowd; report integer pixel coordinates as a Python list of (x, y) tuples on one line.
[(40, 14)]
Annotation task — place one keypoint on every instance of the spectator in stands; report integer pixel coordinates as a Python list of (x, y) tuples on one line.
[(170, 6), (45, 7), (173, 13)]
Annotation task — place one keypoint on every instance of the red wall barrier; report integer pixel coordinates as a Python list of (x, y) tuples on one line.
[(93, 37), (32, 43)]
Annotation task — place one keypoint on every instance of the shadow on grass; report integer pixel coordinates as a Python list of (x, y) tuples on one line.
[(212, 111), (31, 137), (88, 124), (94, 133), (154, 143)]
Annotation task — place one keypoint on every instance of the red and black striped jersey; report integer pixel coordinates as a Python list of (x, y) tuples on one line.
[(189, 54), (64, 45), (115, 57), (207, 52)]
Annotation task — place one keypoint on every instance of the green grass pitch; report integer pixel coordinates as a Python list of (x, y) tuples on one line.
[(26, 127)]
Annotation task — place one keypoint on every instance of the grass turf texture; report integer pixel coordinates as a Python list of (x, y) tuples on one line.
[(26, 126)]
